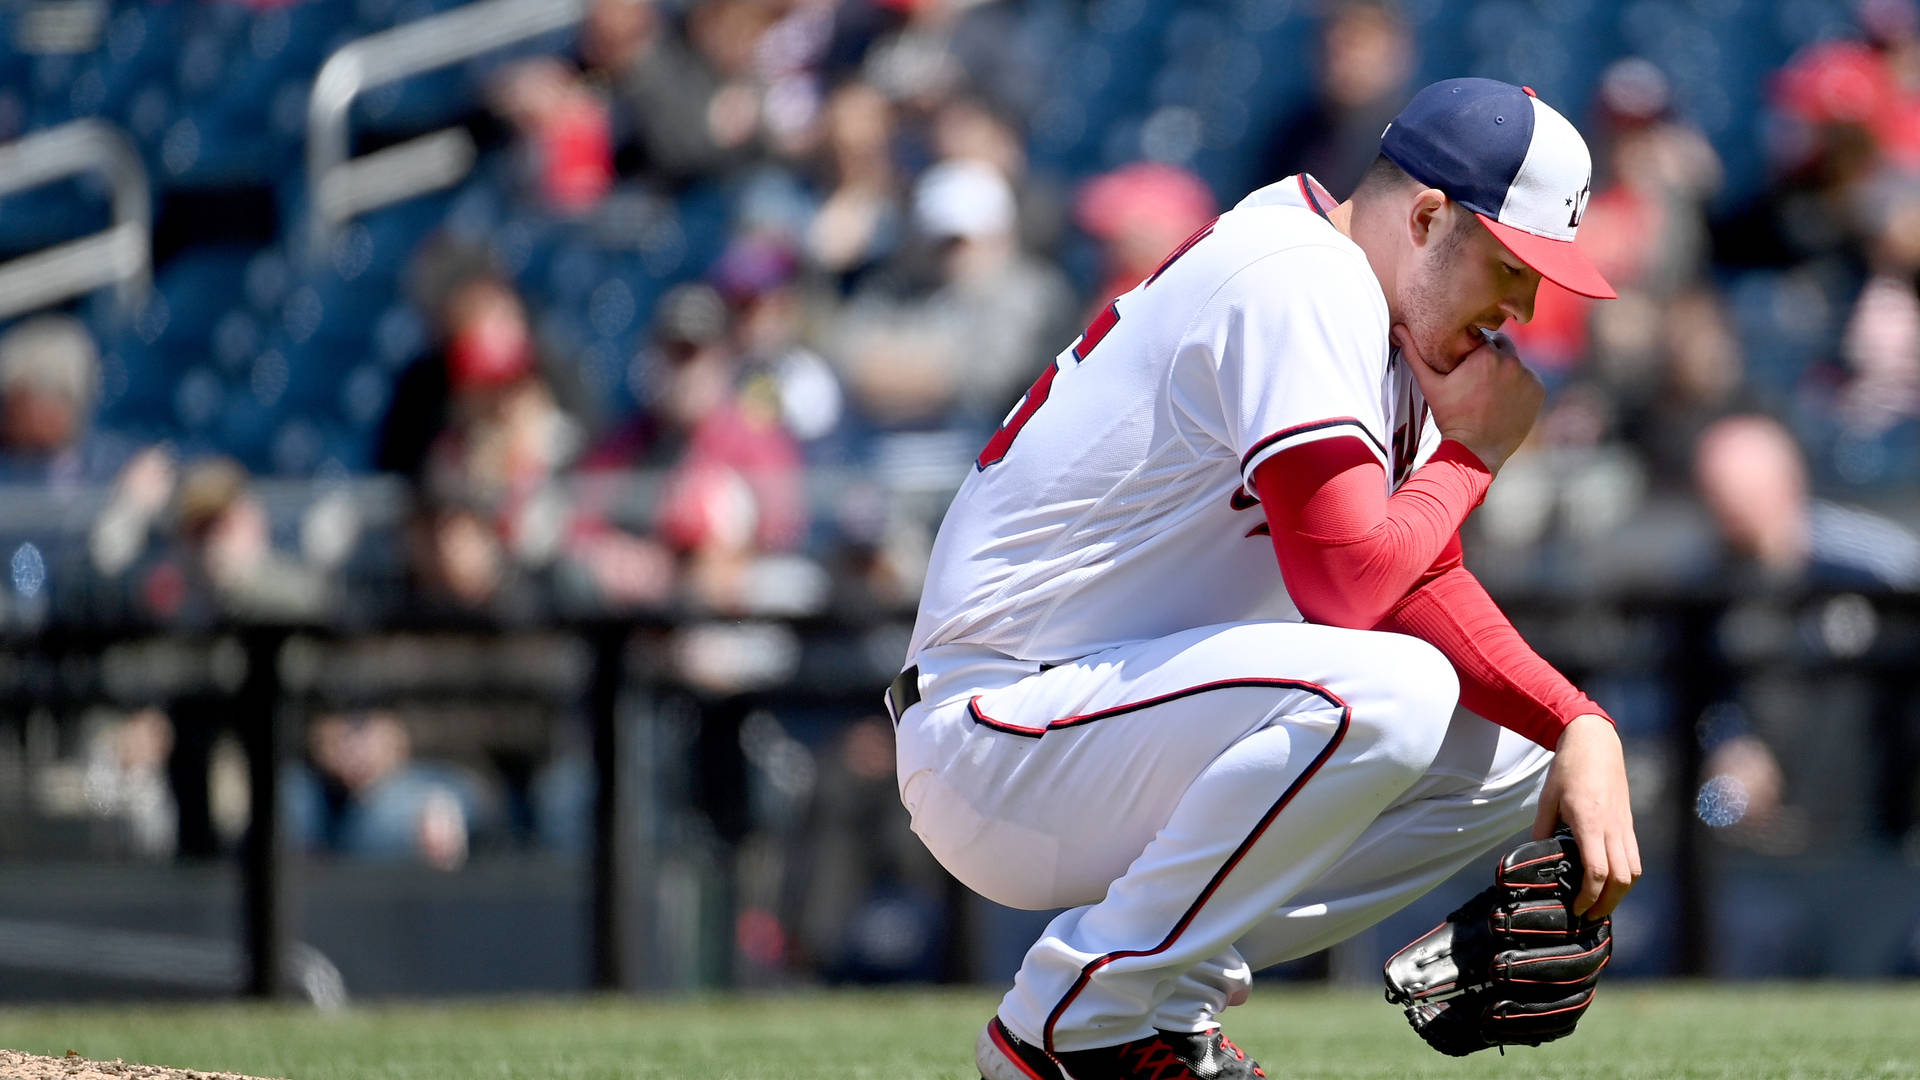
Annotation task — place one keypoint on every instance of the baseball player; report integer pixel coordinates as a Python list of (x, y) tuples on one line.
[(1196, 624)]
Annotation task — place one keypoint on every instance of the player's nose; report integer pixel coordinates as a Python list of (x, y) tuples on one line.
[(1518, 303)]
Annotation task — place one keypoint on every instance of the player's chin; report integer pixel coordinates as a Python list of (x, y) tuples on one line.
[(1449, 352), (1458, 347)]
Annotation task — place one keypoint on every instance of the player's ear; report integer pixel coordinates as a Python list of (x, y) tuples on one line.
[(1426, 216)]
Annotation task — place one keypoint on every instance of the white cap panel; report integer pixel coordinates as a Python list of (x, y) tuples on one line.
[(1549, 193)]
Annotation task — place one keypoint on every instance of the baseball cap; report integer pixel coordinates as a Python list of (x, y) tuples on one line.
[(1500, 151), (963, 198)]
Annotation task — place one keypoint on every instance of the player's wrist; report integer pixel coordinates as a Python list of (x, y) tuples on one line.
[(1461, 451), (1590, 733)]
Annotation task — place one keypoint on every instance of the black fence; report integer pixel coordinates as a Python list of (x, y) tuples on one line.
[(1774, 743)]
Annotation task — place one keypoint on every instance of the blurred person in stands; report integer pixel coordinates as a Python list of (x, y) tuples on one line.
[(1844, 112), (860, 219), (49, 380), (734, 490), (1366, 65), (1881, 344), (689, 94), (970, 128), (943, 49), (229, 552), (507, 439), (474, 317), (1752, 479), (565, 134), (126, 780), (1776, 538), (878, 561), (758, 277), (1647, 225), (1139, 213), (865, 901), (457, 565), (360, 793), (962, 319)]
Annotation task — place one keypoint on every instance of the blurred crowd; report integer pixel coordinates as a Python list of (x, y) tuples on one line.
[(892, 272), (777, 434)]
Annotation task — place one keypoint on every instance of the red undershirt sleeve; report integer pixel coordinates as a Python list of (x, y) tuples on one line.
[(1355, 557), (1501, 677), (1348, 550)]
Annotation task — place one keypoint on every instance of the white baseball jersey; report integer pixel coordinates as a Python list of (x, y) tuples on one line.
[(1114, 505)]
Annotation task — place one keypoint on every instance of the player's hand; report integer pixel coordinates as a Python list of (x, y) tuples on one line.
[(1587, 790), (1487, 403)]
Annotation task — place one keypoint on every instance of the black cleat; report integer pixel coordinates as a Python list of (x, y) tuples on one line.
[(1164, 1055)]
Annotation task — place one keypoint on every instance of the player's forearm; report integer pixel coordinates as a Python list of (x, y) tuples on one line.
[(1347, 550), (1501, 677)]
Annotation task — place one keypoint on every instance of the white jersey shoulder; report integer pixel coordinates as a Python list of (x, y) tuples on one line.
[(1114, 505)]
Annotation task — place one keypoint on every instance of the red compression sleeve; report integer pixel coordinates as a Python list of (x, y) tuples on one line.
[(1354, 557), (1501, 677), (1349, 551)]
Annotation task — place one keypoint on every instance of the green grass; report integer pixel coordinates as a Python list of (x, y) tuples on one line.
[(1650, 1032)]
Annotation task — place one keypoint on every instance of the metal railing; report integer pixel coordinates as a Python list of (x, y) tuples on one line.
[(120, 255), (342, 186)]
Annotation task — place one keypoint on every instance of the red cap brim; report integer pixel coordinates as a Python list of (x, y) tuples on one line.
[(1559, 261)]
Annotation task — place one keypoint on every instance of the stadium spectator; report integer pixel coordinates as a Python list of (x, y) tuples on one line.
[(49, 381), (688, 88), (860, 219), (126, 780), (943, 49), (1139, 213), (566, 141), (229, 551), (360, 793), (758, 277), (507, 441), (1753, 481), (457, 565), (962, 319), (863, 897), (733, 489), (1881, 346), (1646, 223), (1365, 65), (458, 291)]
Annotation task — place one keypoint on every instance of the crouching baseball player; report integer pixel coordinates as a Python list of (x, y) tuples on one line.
[(1196, 624)]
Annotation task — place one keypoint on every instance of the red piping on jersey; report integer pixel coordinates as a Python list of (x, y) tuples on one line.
[(981, 718), (1302, 429), (1239, 853), (1311, 191)]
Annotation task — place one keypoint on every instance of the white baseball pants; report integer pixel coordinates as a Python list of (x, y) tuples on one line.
[(1206, 804)]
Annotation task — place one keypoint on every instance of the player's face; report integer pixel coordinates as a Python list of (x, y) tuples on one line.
[(1464, 281)]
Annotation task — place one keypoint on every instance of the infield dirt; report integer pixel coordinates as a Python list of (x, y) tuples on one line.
[(17, 1066)]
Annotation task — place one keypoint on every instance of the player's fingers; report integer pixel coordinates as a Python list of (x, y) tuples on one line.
[(1618, 881), (1593, 858), (1404, 338), (1547, 818)]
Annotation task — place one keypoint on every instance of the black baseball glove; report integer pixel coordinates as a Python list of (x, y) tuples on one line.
[(1514, 965)]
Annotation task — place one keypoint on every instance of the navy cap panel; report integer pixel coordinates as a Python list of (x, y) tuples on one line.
[(1467, 137)]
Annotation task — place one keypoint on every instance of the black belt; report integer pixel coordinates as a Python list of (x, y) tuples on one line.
[(904, 693)]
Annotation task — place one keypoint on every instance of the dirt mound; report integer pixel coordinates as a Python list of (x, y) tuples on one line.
[(17, 1066)]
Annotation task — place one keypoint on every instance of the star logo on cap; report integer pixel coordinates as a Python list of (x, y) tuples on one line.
[(1578, 201)]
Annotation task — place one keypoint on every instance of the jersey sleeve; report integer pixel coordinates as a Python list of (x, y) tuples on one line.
[(1299, 343)]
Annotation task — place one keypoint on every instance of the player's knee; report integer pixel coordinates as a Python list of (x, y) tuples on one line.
[(1418, 694)]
